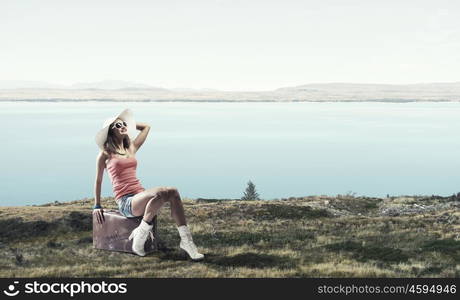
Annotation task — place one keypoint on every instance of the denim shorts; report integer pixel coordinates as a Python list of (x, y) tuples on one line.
[(124, 205)]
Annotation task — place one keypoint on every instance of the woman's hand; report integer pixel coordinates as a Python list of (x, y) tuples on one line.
[(141, 126), (99, 213)]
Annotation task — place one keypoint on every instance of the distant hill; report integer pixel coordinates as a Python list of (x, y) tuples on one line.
[(113, 90)]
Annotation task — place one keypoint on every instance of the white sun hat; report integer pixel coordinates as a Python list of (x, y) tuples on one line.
[(127, 116)]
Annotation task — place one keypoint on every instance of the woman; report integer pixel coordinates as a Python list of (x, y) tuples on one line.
[(117, 155)]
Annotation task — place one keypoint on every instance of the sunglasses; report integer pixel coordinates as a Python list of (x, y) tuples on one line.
[(119, 125)]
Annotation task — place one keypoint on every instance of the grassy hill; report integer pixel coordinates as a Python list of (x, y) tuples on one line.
[(315, 236)]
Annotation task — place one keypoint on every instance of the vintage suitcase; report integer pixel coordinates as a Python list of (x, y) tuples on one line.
[(114, 232)]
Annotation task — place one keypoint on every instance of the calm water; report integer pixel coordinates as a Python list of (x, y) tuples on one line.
[(211, 150)]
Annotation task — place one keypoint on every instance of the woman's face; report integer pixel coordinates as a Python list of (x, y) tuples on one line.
[(119, 128)]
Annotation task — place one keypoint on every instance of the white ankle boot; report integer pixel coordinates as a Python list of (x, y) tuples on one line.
[(139, 237), (187, 244)]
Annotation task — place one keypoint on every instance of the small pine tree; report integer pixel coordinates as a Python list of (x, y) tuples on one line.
[(250, 193)]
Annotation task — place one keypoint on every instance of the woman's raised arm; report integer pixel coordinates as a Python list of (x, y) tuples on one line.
[(140, 139)]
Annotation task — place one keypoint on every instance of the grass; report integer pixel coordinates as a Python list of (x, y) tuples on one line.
[(315, 236)]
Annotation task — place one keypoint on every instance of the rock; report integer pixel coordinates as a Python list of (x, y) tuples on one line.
[(392, 210)]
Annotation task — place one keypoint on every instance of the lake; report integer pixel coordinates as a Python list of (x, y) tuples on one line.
[(211, 150)]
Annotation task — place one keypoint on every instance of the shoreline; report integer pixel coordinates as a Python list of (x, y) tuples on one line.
[(230, 101)]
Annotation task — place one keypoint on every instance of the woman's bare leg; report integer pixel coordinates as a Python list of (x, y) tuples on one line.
[(153, 207), (149, 202), (177, 209), (154, 198)]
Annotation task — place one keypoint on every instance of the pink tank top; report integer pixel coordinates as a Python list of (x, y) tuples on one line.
[(122, 173)]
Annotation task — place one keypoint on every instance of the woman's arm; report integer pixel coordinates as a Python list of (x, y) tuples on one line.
[(100, 165), (140, 139)]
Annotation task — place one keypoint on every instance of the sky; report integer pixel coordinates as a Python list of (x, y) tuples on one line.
[(232, 45)]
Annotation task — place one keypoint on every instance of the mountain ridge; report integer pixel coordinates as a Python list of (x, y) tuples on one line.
[(131, 91)]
